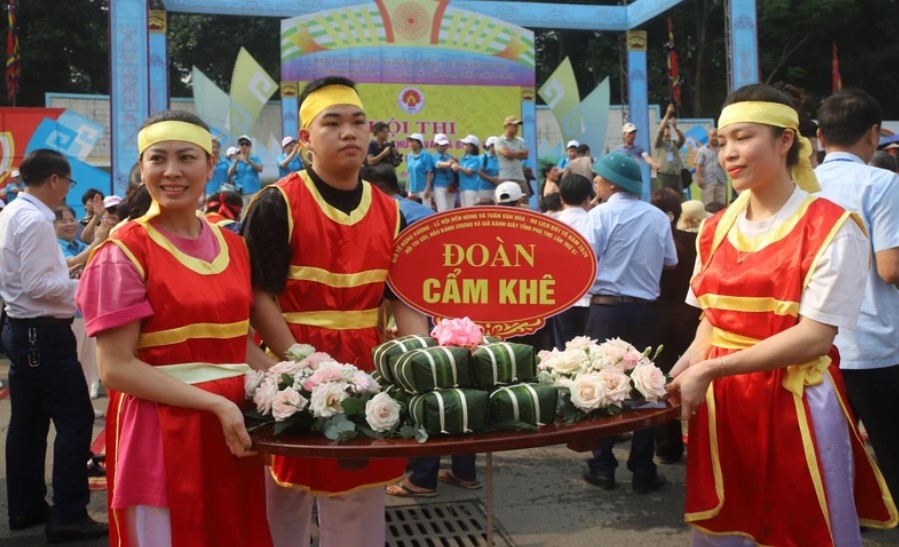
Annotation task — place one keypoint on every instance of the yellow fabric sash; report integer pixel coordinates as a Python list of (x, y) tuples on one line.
[(777, 115), (174, 131), (796, 377), (326, 97), (196, 373)]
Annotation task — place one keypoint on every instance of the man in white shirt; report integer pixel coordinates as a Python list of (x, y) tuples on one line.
[(576, 192), (46, 381), (511, 153), (849, 129)]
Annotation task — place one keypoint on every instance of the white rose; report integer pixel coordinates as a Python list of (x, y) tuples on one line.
[(298, 352), (588, 392), (287, 403), (381, 412), (569, 361), (617, 385), (649, 381), (326, 399), (251, 381), (580, 342), (265, 395)]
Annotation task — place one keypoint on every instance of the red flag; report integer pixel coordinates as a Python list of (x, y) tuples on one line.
[(674, 79), (837, 84), (13, 55)]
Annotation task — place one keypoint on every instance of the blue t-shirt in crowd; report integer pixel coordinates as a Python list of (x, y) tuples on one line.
[(219, 176), (563, 162), (74, 248), (246, 178), (296, 164), (417, 169), (412, 210), (473, 181), (490, 166), (444, 175)]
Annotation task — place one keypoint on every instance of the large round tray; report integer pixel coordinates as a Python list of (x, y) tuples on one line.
[(579, 437)]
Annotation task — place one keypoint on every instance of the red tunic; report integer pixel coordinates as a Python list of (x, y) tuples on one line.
[(334, 288), (218, 219), (214, 498), (754, 465)]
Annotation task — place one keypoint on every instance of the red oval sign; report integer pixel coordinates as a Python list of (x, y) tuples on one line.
[(506, 268)]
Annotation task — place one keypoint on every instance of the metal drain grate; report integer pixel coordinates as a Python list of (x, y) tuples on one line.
[(454, 524)]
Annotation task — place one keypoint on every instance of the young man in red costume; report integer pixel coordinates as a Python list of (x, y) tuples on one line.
[(320, 243)]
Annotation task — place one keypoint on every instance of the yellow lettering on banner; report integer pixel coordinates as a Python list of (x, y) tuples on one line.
[(478, 255), (528, 291), (472, 291)]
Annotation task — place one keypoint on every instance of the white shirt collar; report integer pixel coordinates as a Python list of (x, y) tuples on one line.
[(40, 205)]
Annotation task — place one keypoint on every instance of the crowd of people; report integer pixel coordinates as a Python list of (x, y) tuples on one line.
[(778, 315)]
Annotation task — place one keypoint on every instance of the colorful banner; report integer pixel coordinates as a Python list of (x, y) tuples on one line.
[(212, 104), (71, 134), (397, 41), (560, 94), (505, 268), (251, 88)]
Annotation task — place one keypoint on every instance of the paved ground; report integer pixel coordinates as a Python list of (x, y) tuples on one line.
[(540, 501)]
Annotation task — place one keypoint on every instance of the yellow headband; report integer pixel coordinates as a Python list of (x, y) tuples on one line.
[(326, 97), (174, 131), (777, 115)]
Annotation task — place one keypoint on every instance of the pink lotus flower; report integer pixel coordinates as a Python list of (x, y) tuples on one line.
[(458, 332)]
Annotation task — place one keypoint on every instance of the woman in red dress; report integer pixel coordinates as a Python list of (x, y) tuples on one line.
[(168, 297), (774, 456)]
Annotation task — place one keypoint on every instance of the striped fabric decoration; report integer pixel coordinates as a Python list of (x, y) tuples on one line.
[(503, 363), (529, 403), (450, 412), (386, 354), (428, 369)]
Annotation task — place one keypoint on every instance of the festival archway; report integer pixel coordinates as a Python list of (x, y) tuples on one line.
[(139, 69)]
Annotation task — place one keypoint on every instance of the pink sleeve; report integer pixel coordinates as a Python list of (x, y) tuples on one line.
[(111, 292)]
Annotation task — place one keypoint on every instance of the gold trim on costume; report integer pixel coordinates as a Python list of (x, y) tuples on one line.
[(749, 304), (130, 255), (218, 264), (881, 482), (197, 373), (338, 280), (753, 244), (811, 458), (218, 331), (327, 494), (334, 320), (716, 460), (116, 438), (829, 238), (337, 215)]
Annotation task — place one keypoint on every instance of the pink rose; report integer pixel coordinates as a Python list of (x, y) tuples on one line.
[(289, 368), (287, 403), (325, 374), (649, 381), (617, 384), (317, 359), (458, 332), (265, 395)]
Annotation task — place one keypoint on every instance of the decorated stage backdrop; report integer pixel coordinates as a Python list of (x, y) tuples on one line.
[(422, 65)]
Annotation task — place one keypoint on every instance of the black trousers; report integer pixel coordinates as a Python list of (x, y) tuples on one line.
[(874, 395), (54, 389), (568, 324), (639, 325)]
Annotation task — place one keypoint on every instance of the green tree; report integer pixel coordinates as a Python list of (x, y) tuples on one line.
[(64, 48)]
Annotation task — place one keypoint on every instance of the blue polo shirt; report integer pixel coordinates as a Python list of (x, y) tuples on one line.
[(417, 168), (633, 243), (296, 164), (246, 178), (443, 176), (874, 194), (412, 211), (219, 176), (490, 165), (470, 182)]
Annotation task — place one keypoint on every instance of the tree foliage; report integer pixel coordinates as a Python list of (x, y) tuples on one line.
[(65, 49)]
